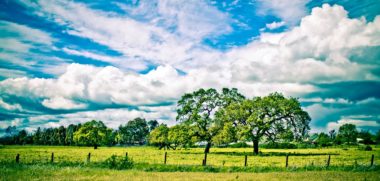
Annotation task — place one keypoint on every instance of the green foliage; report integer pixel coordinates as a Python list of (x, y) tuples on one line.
[(199, 111), (92, 133), (274, 145), (365, 148), (134, 132), (348, 133), (118, 162), (323, 140), (366, 137), (226, 135), (267, 117), (238, 145), (159, 136), (152, 125), (178, 135)]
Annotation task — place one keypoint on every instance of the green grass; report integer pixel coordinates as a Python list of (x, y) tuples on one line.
[(194, 156), (52, 172), (222, 164)]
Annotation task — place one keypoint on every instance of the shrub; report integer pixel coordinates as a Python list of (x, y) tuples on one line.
[(118, 162), (239, 145), (280, 146), (365, 148)]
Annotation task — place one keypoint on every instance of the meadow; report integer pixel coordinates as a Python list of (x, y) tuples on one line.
[(224, 163), (193, 156)]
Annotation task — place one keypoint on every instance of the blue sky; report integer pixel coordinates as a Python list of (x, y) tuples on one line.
[(64, 62)]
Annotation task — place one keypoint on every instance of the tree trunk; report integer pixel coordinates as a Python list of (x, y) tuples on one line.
[(95, 146), (255, 146), (208, 146)]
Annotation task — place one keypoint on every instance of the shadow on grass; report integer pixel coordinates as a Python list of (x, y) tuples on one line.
[(194, 168), (262, 154)]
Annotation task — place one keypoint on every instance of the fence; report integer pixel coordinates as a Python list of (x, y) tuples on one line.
[(204, 160)]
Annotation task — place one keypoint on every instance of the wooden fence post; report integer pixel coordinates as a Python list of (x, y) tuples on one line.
[(52, 157), (17, 158), (166, 153), (287, 159), (328, 161), (88, 157), (372, 159), (126, 154), (245, 160), (205, 160)]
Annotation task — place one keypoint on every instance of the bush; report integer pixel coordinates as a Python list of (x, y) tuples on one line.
[(365, 148), (118, 162), (280, 146), (239, 145)]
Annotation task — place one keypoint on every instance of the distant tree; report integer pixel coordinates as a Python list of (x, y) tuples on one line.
[(348, 133), (377, 137), (37, 137), (178, 135), (139, 130), (332, 134), (285, 135), (323, 140), (159, 137), (226, 135), (366, 137), (69, 139), (152, 124), (22, 137), (60, 134), (11, 131), (92, 133), (197, 110), (258, 116)]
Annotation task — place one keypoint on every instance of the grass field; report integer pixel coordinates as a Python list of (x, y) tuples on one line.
[(193, 156), (79, 173), (70, 163)]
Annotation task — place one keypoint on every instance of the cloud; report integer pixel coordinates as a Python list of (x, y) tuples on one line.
[(275, 25), (62, 103), (172, 37), (360, 124), (9, 107), (289, 11), (309, 52), (305, 61)]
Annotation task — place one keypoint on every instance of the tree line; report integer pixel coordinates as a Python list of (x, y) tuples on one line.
[(92, 133), (205, 117)]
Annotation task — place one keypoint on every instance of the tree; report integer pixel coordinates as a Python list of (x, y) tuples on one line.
[(69, 139), (92, 133), (348, 133), (139, 130), (152, 124), (197, 110), (11, 131), (23, 138), (366, 137), (258, 117), (377, 137), (323, 139), (178, 135), (332, 134), (37, 136), (159, 137)]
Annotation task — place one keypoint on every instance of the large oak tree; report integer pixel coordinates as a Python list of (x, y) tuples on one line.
[(198, 110), (267, 117)]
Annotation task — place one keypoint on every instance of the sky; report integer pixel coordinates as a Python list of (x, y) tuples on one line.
[(68, 62)]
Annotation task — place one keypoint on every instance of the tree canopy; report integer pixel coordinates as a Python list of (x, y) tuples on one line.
[(267, 117), (92, 133), (198, 109)]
